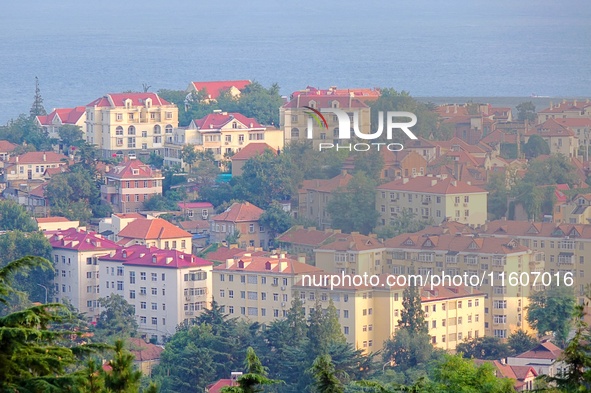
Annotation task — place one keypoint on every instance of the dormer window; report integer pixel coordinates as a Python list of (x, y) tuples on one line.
[(267, 265), (312, 104), (128, 103), (234, 125), (334, 104), (154, 259), (241, 264), (124, 253), (135, 171)]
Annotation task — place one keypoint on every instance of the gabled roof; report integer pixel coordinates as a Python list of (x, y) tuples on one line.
[(143, 351), (224, 253), (217, 386), (537, 229), (215, 121), (140, 255), (498, 136), (79, 240), (575, 122), (195, 205), (137, 99), (39, 191), (240, 211), (327, 185), (216, 88), (431, 185), (39, 157), (456, 243), (552, 128), (305, 236), (325, 101), (352, 242), (361, 93), (133, 170), (545, 350), (157, 228), (7, 147), (575, 105), (62, 116), (252, 150), (44, 220), (272, 264)]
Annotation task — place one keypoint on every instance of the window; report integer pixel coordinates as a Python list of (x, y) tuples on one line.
[(154, 321), (131, 130), (143, 305), (154, 306), (231, 294), (142, 290), (132, 294), (154, 291), (154, 277), (143, 320)]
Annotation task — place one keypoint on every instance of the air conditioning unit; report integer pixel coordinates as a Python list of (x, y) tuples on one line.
[(283, 288), (187, 298), (282, 304)]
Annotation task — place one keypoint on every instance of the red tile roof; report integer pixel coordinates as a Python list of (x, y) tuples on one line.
[(216, 88), (39, 191), (157, 228), (455, 243), (362, 93), (80, 240), (194, 225), (545, 350), (327, 185), (137, 99), (325, 102), (431, 185), (537, 229), (251, 150), (273, 263), (195, 205), (441, 292), (143, 351), (6, 147), (244, 211), (125, 171), (129, 215), (567, 106), (352, 242), (216, 387), (215, 121), (305, 236), (44, 220), (39, 157), (551, 128), (140, 255), (64, 115), (575, 122), (498, 136)]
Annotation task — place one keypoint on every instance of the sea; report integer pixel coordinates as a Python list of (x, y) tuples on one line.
[(503, 50)]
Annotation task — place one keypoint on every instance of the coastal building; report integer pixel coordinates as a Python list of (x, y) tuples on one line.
[(31, 166), (130, 124), (211, 90), (59, 117)]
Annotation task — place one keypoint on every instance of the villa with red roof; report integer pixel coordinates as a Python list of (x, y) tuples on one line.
[(293, 116), (257, 289), (544, 359), (6, 148), (157, 233), (165, 287), (436, 198), (249, 151), (59, 117), (31, 166), (299, 240), (214, 89), (223, 133), (566, 110), (75, 259), (196, 210), (56, 223), (130, 124), (242, 219), (560, 138), (130, 184)]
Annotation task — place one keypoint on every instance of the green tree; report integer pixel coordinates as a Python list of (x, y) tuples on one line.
[(526, 111), (122, 378), (556, 169), (497, 195), (37, 109), (325, 377), (353, 208), (189, 155), (30, 359), (412, 317), (406, 350), (275, 219), (535, 146), (550, 310), (70, 136), (314, 164), (25, 131), (117, 320), (255, 101), (520, 341), (255, 377), (407, 222), (486, 347), (13, 216)]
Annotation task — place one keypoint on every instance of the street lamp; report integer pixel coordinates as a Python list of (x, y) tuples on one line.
[(389, 362), (46, 291)]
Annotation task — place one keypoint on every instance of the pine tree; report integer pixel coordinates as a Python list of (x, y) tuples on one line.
[(412, 316), (255, 377), (122, 378), (333, 333), (37, 109), (296, 320), (325, 377)]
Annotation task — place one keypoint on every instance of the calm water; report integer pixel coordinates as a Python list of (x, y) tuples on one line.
[(81, 51)]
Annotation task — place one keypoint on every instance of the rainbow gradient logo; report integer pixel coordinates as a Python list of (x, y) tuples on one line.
[(317, 116)]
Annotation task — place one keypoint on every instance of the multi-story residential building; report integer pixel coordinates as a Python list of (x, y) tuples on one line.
[(130, 184), (55, 223), (560, 138), (351, 254), (128, 124), (213, 89), (75, 259), (59, 117), (369, 315), (155, 232), (165, 287), (31, 166), (577, 210), (223, 134), (403, 163), (249, 151), (438, 198), (566, 110), (314, 197), (258, 289), (109, 227), (493, 260), (241, 219), (293, 116), (196, 210), (565, 248), (298, 240)]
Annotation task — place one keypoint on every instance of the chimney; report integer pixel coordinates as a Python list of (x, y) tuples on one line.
[(281, 256), (503, 361), (574, 102), (551, 105), (16, 159), (298, 101), (455, 108), (302, 258), (44, 157)]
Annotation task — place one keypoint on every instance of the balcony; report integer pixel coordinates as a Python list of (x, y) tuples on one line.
[(109, 189)]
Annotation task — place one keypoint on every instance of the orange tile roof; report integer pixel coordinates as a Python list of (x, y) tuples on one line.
[(431, 185), (39, 191), (576, 105), (267, 264), (44, 220), (545, 350), (125, 171), (217, 386), (240, 212), (224, 253), (327, 185), (365, 94), (251, 150), (193, 225), (551, 128), (157, 228), (6, 146), (143, 351), (536, 229), (39, 157), (129, 215), (216, 88), (441, 292), (352, 242)]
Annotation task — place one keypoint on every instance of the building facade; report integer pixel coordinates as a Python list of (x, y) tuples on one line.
[(240, 223)]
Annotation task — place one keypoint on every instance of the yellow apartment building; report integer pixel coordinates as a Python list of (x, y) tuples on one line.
[(221, 132), (440, 198), (492, 260), (255, 288), (293, 117), (130, 124), (351, 254)]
